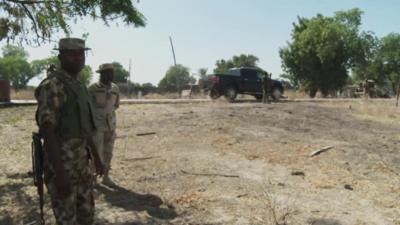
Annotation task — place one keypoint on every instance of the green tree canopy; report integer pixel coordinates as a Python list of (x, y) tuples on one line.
[(85, 76), (205, 81), (121, 75), (176, 77), (14, 66), (386, 65), (363, 67), (322, 51), (19, 18), (221, 66), (382, 63), (148, 86), (202, 73)]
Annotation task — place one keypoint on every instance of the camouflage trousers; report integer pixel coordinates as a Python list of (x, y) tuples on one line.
[(265, 96), (77, 208), (105, 143)]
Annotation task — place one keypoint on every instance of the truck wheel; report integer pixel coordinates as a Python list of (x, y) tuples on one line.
[(258, 97), (231, 93), (276, 94), (214, 94)]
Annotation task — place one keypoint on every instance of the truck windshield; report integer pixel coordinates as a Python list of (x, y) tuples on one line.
[(234, 72)]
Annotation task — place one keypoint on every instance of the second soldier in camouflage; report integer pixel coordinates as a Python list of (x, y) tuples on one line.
[(105, 98)]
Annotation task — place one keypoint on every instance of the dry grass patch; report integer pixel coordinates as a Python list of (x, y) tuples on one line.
[(26, 94), (374, 110), (295, 94)]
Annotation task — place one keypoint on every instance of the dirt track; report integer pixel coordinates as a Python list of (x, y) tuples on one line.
[(220, 163)]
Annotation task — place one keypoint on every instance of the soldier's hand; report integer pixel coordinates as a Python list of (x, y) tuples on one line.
[(99, 168)]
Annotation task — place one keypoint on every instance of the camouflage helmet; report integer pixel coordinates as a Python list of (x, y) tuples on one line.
[(71, 44), (105, 66)]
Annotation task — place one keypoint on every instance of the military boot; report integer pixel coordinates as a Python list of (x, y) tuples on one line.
[(107, 181)]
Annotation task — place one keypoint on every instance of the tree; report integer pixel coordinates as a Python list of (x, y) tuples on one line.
[(203, 73), (85, 76), (382, 64), (387, 62), (121, 75), (205, 81), (19, 18), (291, 80), (245, 60), (176, 78), (364, 67), (322, 51), (146, 88), (14, 66), (237, 61)]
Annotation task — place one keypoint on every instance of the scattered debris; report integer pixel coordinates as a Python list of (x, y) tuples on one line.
[(155, 177), (252, 157), (142, 158), (319, 151), (298, 173), (209, 174), (348, 187), (242, 195), (315, 221), (147, 133), (121, 136)]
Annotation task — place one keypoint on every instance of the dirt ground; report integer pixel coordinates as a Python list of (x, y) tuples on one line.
[(240, 163)]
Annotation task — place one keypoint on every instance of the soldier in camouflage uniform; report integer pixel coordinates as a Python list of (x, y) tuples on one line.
[(66, 123), (267, 85), (105, 98)]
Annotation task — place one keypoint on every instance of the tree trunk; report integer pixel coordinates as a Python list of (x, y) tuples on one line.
[(398, 94), (313, 92)]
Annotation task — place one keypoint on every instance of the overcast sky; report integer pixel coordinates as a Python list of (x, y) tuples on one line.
[(207, 30)]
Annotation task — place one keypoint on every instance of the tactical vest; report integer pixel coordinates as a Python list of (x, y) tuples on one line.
[(104, 100), (76, 117)]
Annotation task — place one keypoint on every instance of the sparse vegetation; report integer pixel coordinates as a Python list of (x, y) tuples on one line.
[(250, 142)]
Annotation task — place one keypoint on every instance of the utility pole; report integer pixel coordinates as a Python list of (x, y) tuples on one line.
[(128, 81), (173, 51), (176, 79)]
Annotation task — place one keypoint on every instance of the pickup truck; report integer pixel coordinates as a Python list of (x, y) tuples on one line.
[(243, 80)]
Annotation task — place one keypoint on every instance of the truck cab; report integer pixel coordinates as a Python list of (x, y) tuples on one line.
[(244, 80)]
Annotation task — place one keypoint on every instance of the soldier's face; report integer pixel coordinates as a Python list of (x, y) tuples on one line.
[(72, 61), (107, 76)]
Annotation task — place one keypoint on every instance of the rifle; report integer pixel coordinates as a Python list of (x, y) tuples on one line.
[(37, 167)]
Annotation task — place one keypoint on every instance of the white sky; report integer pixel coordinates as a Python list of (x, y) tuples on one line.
[(208, 30)]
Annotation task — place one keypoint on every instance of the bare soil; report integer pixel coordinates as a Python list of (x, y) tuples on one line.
[(221, 163)]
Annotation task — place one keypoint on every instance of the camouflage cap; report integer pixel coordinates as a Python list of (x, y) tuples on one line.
[(71, 44), (105, 66)]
